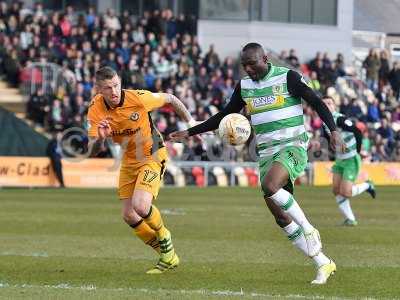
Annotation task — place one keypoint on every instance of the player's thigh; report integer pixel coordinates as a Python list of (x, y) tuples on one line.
[(276, 177), (147, 185), (283, 168), (338, 168), (351, 169), (336, 181), (127, 179)]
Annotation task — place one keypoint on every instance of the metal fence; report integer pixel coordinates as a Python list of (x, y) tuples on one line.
[(46, 76), (233, 171)]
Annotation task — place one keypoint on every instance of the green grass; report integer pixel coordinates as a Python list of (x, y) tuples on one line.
[(72, 244)]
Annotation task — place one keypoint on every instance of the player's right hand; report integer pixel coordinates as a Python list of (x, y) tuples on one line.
[(178, 136), (104, 129), (337, 143)]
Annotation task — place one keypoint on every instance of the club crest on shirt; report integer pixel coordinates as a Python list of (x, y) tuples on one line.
[(277, 89), (134, 116)]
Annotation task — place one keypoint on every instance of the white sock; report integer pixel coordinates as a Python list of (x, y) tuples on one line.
[(345, 208), (357, 189), (286, 201), (296, 235), (321, 259)]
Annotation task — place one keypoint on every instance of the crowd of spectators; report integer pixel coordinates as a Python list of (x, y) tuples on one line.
[(375, 108), (160, 52)]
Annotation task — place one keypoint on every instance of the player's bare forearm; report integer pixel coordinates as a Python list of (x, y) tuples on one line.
[(179, 107), (96, 146)]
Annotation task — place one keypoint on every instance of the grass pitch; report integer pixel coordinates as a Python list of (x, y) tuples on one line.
[(72, 244)]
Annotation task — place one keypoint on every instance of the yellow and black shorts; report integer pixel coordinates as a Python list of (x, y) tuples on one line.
[(145, 176)]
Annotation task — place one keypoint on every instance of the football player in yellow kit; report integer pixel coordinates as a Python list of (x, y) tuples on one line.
[(124, 115)]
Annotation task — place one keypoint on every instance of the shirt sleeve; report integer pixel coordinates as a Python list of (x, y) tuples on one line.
[(349, 125), (150, 100), (299, 88), (92, 122)]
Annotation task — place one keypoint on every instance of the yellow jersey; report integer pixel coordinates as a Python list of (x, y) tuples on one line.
[(131, 123)]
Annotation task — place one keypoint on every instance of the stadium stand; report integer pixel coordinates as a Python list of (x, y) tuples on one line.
[(49, 56)]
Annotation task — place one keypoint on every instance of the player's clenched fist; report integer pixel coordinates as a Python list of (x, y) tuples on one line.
[(104, 129)]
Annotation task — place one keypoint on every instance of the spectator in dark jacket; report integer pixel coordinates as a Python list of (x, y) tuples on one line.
[(54, 152)]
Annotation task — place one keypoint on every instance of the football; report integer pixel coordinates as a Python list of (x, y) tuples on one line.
[(235, 129)]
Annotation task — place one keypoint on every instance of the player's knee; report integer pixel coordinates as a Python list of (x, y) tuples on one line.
[(345, 192), (141, 207), (128, 215), (282, 220), (336, 191), (270, 188)]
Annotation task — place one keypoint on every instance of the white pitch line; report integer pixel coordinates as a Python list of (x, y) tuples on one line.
[(204, 292), (34, 254), (173, 212)]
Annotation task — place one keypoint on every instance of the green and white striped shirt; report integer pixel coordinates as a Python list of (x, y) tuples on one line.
[(276, 114), (347, 137)]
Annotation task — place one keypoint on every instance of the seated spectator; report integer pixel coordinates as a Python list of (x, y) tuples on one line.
[(293, 59), (396, 115), (340, 65), (385, 131), (355, 110), (283, 55), (314, 82), (374, 112), (111, 21)]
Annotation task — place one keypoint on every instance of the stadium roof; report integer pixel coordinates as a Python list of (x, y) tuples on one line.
[(377, 16)]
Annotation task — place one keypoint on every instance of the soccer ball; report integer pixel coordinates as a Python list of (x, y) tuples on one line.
[(234, 129)]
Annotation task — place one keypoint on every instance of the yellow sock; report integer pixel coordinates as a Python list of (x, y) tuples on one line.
[(156, 223), (146, 234)]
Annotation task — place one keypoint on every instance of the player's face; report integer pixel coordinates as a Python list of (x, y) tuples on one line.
[(330, 104), (254, 63), (111, 90)]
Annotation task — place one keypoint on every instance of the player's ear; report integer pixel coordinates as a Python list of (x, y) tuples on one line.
[(265, 59)]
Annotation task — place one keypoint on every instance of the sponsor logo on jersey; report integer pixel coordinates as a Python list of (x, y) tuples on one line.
[(264, 101), (128, 132)]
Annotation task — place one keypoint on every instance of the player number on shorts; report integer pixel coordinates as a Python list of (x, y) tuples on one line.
[(149, 176)]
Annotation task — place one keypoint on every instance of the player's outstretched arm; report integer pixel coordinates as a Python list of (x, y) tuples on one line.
[(180, 109), (298, 88), (235, 105)]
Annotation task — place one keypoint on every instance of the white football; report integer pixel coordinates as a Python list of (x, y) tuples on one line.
[(234, 129)]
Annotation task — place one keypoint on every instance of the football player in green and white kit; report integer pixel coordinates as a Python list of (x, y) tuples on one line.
[(347, 165), (273, 96)]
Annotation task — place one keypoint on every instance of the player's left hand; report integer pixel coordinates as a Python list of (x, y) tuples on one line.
[(178, 136), (336, 142)]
